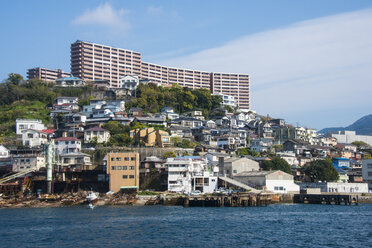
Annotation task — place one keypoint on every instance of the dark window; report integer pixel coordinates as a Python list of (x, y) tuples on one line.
[(125, 176), (126, 159), (131, 167), (133, 158), (131, 176), (125, 167), (112, 167)]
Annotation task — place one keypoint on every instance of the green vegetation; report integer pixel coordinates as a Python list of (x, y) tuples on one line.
[(184, 143), (169, 154), (148, 193), (247, 152), (360, 144), (276, 164), (321, 170), (152, 98), (28, 99)]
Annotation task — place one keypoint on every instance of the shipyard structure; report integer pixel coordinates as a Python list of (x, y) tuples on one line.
[(97, 62)]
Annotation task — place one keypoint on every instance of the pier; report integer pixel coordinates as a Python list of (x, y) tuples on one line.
[(233, 200), (331, 199)]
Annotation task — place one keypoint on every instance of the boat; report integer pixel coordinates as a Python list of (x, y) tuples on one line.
[(91, 206), (92, 196)]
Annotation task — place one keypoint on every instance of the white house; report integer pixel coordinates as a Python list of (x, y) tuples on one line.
[(75, 160), (34, 138), (24, 124), (4, 152), (130, 83), (67, 145), (275, 181), (66, 99), (189, 174), (227, 100), (70, 82), (102, 135), (261, 144)]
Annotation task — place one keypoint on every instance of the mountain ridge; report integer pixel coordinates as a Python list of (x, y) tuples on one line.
[(362, 126)]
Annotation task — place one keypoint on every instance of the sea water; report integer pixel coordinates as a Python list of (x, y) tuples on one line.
[(291, 225)]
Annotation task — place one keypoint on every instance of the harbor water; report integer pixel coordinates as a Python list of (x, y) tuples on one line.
[(291, 225)]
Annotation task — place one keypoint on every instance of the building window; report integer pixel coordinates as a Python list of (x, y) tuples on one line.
[(113, 167), (112, 159), (131, 167), (119, 167), (125, 176), (118, 159), (131, 176), (126, 159), (125, 167), (133, 158), (235, 171)]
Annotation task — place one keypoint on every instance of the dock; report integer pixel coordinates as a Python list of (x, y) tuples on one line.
[(233, 200), (331, 199)]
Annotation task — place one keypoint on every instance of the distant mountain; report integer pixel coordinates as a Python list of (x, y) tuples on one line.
[(363, 126)]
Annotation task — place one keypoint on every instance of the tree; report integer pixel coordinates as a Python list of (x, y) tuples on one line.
[(115, 127), (248, 152), (360, 144), (321, 170), (169, 154), (121, 139), (276, 164), (216, 101), (14, 78)]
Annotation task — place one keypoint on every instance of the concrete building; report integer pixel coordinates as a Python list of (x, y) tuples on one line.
[(350, 136), (235, 165), (25, 124), (275, 181), (337, 187), (91, 61), (123, 171), (23, 162), (367, 172), (34, 138), (151, 137), (46, 74), (186, 175)]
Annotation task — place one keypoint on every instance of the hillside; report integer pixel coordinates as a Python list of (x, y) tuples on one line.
[(363, 126)]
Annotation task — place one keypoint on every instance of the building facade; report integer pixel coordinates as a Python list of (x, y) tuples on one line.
[(123, 171), (46, 74), (91, 61)]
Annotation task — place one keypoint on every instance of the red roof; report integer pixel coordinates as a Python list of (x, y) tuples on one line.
[(48, 131), (66, 139)]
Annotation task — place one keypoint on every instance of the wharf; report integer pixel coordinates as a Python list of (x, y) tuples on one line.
[(233, 200), (331, 199)]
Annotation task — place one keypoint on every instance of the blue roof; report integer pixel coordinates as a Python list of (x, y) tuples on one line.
[(192, 157)]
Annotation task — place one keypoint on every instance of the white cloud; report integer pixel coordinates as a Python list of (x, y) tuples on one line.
[(104, 15), (312, 66)]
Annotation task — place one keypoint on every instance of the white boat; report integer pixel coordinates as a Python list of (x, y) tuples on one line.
[(92, 196), (91, 206)]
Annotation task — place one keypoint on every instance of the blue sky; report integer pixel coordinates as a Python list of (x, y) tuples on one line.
[(309, 61)]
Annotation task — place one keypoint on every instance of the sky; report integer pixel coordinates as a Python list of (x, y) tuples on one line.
[(310, 61)]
